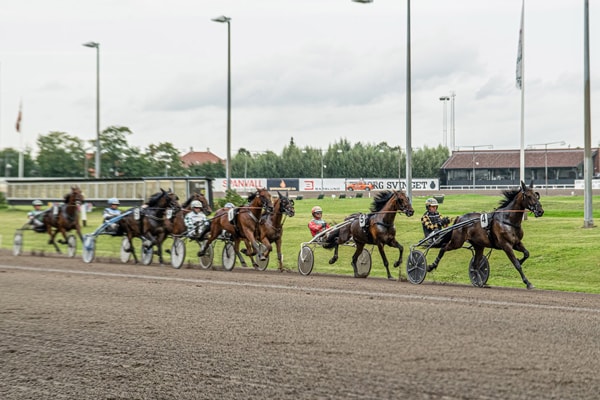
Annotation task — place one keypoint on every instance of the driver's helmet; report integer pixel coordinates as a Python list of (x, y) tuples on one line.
[(113, 200), (196, 204), (431, 202), (229, 205), (36, 203), (316, 209)]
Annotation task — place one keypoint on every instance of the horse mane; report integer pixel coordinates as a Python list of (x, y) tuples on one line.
[(380, 200), (251, 197), (509, 196), (153, 200)]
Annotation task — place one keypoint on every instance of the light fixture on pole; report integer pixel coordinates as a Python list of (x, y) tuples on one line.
[(562, 143), (445, 100), (95, 45), (224, 19)]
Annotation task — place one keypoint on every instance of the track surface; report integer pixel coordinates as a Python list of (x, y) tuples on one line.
[(70, 330)]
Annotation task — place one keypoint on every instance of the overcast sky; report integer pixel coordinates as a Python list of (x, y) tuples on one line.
[(315, 70)]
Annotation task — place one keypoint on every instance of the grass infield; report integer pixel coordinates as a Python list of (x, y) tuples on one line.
[(563, 255)]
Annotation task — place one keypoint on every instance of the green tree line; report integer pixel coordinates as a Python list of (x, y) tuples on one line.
[(64, 155)]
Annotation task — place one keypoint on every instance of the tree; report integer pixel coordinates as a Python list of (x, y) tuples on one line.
[(167, 160), (113, 142), (60, 155)]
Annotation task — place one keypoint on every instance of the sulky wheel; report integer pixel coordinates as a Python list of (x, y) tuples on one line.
[(479, 274), (206, 260), (416, 267), (177, 253), (71, 245), (363, 264), (228, 256), (18, 243), (262, 264), (125, 250), (89, 248), (147, 253), (306, 260)]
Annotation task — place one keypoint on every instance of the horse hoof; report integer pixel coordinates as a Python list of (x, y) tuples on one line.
[(391, 278), (333, 260), (397, 264), (530, 286), (431, 267)]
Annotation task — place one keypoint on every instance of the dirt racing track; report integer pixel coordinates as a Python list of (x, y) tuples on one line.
[(70, 330)]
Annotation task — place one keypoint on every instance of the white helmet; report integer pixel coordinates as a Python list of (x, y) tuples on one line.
[(431, 202), (196, 204), (36, 203), (113, 200)]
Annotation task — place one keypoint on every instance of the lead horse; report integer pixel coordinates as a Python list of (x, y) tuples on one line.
[(65, 218), (503, 230), (377, 227)]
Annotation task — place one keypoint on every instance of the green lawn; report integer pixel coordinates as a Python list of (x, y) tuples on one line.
[(563, 255)]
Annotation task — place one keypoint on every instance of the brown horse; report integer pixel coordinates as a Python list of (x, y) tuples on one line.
[(271, 226), (64, 217), (148, 221), (176, 225), (503, 231), (377, 227), (242, 224)]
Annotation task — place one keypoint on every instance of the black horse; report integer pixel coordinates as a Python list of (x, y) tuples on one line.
[(376, 228), (503, 230), (148, 222)]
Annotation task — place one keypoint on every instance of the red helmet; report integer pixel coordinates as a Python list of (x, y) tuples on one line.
[(316, 209)]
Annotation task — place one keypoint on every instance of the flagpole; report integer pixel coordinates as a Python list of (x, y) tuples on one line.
[(522, 86)]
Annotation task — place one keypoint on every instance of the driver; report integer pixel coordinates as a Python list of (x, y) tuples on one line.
[(195, 221), (317, 224), (433, 221), (112, 211), (36, 215)]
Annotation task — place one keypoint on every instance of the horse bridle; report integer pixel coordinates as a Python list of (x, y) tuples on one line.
[(400, 202)]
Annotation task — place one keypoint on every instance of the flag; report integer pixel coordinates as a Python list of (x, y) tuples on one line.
[(520, 51), (18, 125)]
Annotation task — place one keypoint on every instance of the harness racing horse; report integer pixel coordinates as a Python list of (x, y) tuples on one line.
[(271, 226), (377, 227), (242, 225), (176, 224), (148, 222), (65, 218), (503, 231)]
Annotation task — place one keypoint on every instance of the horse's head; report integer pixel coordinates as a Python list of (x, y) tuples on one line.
[(264, 197), (403, 203), (531, 200), (171, 199), (75, 196), (164, 199), (286, 206)]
